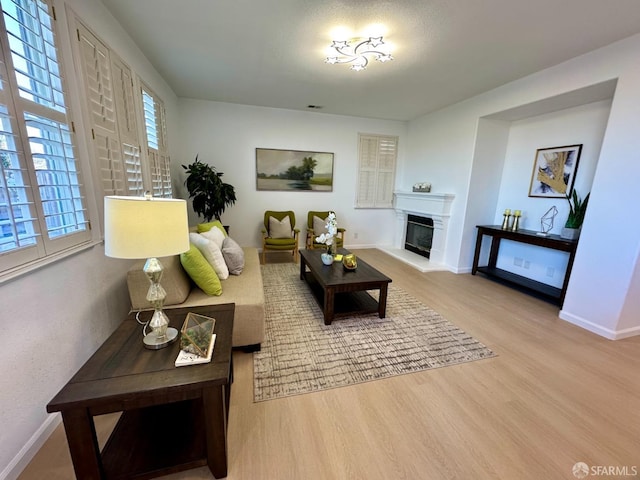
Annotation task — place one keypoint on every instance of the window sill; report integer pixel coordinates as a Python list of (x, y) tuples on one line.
[(30, 267)]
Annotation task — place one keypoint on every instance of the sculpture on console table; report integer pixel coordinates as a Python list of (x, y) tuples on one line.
[(546, 222)]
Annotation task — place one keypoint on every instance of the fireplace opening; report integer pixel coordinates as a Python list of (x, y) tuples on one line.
[(419, 236)]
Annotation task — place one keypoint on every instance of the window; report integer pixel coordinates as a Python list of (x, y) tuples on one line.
[(42, 198), (377, 155), (156, 133)]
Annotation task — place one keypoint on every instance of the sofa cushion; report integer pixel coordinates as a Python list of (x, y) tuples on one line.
[(200, 271), (280, 228), (233, 256), (211, 253), (205, 227), (174, 280)]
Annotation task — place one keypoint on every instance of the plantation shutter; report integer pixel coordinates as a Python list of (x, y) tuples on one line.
[(376, 171), (98, 82), (127, 126), (41, 176)]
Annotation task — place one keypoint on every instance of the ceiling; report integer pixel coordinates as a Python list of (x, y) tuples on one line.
[(271, 52)]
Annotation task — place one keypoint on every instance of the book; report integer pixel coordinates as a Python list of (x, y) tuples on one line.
[(186, 358)]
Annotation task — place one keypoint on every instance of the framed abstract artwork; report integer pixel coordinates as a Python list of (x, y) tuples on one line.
[(554, 171), (294, 170)]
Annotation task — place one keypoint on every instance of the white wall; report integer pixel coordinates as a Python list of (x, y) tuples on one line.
[(444, 147), (602, 294), (226, 136), (55, 317), (585, 124)]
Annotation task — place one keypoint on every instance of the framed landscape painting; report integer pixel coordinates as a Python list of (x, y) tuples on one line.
[(554, 171), (293, 170)]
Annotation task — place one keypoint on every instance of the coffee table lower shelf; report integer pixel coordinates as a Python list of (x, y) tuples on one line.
[(159, 440), (345, 303)]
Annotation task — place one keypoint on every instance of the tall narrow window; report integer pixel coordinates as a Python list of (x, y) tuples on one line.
[(156, 132), (377, 156), (42, 199)]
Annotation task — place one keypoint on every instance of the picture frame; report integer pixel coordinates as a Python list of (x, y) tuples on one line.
[(554, 171), (294, 170)]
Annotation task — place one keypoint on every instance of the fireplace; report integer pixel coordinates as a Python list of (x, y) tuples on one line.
[(419, 235), (431, 239)]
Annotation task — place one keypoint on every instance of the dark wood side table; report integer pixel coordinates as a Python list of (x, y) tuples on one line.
[(174, 418), (554, 242), (340, 293)]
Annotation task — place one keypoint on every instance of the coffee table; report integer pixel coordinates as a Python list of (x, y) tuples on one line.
[(174, 418), (341, 292)]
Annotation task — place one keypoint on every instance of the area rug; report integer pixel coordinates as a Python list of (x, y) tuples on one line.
[(301, 354)]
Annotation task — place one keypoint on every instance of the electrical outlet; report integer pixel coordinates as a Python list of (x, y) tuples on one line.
[(550, 271), (527, 264), (517, 262), (355, 235)]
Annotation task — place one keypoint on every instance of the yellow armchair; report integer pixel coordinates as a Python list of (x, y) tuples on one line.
[(312, 234), (280, 233)]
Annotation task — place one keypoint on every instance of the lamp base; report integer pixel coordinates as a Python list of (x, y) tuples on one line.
[(152, 342)]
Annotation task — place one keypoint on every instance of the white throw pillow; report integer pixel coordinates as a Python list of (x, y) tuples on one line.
[(280, 229), (319, 226), (215, 235), (212, 253)]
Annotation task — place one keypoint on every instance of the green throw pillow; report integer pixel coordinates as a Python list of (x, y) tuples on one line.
[(205, 227), (201, 271)]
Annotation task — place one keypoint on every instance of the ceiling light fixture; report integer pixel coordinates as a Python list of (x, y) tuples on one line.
[(359, 55)]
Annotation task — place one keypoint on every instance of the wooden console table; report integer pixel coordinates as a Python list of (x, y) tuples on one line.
[(554, 242)]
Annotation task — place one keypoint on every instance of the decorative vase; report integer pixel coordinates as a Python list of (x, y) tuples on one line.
[(327, 258)]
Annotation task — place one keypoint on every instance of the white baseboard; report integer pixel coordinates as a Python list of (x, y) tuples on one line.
[(461, 270), (29, 450), (599, 329)]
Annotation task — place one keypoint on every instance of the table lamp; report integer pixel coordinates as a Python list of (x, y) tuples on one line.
[(146, 227)]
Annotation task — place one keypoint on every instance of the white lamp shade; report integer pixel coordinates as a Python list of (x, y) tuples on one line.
[(138, 227)]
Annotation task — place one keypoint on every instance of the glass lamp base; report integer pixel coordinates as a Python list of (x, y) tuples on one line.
[(152, 341)]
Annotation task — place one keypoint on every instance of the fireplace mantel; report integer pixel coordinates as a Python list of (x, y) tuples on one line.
[(424, 203), (436, 206)]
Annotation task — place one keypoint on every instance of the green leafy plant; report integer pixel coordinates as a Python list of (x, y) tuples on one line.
[(577, 210), (209, 194)]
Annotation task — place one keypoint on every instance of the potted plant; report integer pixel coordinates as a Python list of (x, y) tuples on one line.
[(577, 209), (209, 194)]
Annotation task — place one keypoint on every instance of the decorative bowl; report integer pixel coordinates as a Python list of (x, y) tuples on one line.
[(349, 262)]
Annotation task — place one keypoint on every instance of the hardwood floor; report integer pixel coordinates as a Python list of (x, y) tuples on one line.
[(555, 395)]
